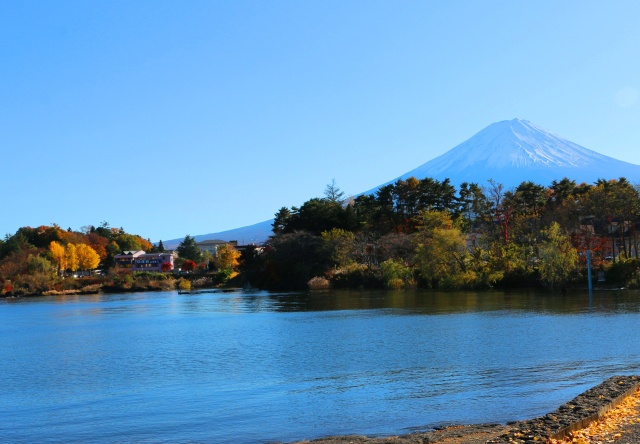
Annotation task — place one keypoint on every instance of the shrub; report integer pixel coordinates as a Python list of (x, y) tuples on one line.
[(319, 283), (151, 275), (395, 284), (634, 280), (356, 276), (463, 280), (396, 275), (7, 288), (184, 284), (120, 280), (622, 271), (222, 277)]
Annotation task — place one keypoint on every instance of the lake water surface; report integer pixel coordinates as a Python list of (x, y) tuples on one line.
[(264, 367)]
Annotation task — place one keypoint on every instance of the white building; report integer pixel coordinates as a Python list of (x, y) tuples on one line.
[(211, 246)]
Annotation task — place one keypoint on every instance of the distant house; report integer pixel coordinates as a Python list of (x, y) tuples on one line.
[(126, 258), (141, 261), (153, 262), (211, 246)]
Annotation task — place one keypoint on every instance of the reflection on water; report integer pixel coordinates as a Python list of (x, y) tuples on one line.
[(258, 366), (417, 301)]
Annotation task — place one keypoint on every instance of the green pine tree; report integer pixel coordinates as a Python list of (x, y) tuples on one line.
[(188, 249)]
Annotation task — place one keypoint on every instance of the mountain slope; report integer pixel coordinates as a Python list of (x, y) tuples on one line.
[(513, 151), (252, 234)]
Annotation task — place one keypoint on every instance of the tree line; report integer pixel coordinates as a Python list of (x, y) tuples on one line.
[(428, 233), (35, 260), (40, 260), (412, 233)]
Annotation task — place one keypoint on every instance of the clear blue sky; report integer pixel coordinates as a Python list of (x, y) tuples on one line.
[(169, 118)]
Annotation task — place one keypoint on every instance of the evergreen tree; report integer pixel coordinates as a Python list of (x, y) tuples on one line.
[(333, 193), (188, 249), (281, 220)]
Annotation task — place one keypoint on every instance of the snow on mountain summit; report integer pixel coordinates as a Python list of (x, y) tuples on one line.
[(513, 151), (515, 144)]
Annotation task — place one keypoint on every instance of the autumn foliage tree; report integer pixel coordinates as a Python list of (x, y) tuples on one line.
[(71, 257), (59, 256), (88, 259), (558, 258), (227, 258), (189, 265), (440, 250), (33, 259)]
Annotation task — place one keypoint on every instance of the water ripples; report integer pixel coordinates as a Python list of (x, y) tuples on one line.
[(263, 366)]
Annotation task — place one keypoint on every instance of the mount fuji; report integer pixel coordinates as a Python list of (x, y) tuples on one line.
[(509, 152), (513, 151)]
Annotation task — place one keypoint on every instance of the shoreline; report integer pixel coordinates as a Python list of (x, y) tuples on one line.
[(573, 415)]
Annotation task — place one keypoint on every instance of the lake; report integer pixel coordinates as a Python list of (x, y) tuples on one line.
[(263, 367)]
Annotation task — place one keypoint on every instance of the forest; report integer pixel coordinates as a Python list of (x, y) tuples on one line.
[(428, 234), (409, 234)]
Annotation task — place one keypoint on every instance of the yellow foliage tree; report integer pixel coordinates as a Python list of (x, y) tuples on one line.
[(71, 257), (441, 251), (58, 255), (558, 258), (88, 258), (227, 257)]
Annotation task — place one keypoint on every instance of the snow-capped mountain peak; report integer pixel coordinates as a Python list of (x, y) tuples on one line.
[(512, 151)]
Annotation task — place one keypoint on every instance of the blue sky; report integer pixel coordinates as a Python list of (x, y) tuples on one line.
[(170, 118)]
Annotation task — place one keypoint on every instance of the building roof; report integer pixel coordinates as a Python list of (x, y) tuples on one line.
[(126, 254)]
